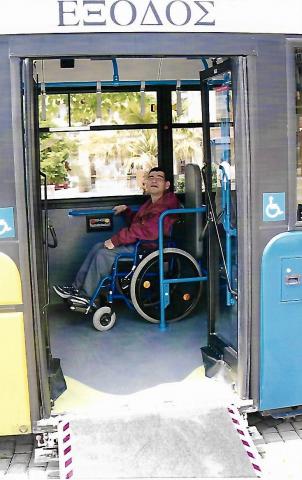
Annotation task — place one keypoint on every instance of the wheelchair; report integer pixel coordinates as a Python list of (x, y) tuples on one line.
[(135, 276)]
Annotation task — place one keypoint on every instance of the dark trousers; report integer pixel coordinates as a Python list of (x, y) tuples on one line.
[(97, 264)]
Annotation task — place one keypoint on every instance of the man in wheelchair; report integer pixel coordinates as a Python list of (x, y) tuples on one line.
[(139, 285), (143, 225)]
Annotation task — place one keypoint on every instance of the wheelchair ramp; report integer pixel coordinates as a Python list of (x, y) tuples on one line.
[(168, 440)]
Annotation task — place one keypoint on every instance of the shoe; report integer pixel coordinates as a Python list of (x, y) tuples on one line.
[(65, 291)]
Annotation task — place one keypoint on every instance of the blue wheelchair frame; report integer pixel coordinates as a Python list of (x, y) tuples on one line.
[(109, 281)]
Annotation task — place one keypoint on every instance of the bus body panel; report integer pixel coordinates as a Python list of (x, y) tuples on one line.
[(281, 327), (14, 402)]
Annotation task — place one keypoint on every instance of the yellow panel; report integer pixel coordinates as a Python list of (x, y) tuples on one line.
[(14, 393), (10, 282)]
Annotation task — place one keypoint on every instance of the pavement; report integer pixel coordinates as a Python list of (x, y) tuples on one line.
[(17, 460), (278, 441)]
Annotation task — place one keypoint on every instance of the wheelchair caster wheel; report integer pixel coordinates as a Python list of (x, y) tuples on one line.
[(103, 319)]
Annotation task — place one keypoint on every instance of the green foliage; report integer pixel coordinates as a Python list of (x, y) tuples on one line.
[(187, 143), (145, 146), (55, 151), (180, 184), (56, 110), (184, 106), (116, 108), (83, 108)]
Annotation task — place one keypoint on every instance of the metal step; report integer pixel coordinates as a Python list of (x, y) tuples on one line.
[(172, 442)]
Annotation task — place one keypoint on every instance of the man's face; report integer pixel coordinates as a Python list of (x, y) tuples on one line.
[(156, 183)]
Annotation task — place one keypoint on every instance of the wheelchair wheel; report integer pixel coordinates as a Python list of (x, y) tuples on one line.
[(144, 288), (103, 319)]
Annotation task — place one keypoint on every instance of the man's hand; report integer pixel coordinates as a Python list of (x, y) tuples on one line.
[(108, 244), (119, 209)]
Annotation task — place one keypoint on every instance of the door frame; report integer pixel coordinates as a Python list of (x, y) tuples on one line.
[(240, 361), (23, 113), (242, 149)]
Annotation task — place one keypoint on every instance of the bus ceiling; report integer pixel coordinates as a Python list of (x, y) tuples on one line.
[(122, 71)]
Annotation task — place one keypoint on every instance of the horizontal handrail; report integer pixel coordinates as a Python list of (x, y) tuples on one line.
[(184, 280), (98, 211)]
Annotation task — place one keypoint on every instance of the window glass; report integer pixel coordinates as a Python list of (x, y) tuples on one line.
[(222, 149), (120, 108), (222, 136), (102, 163), (187, 148), (223, 169), (190, 107), (299, 131), (221, 105), (56, 109)]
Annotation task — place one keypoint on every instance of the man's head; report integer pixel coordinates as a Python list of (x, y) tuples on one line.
[(157, 183)]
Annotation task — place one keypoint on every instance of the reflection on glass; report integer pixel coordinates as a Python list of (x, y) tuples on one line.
[(299, 132), (56, 111), (223, 170), (220, 100), (222, 149), (102, 163), (190, 105), (120, 108), (187, 148)]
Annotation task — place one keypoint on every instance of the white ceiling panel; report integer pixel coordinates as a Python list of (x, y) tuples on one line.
[(129, 69)]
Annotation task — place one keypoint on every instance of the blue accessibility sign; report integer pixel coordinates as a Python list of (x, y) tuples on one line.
[(274, 207), (7, 223)]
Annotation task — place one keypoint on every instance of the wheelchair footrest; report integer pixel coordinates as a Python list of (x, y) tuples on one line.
[(78, 309), (80, 304)]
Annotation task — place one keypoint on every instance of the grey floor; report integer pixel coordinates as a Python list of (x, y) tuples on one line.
[(133, 356)]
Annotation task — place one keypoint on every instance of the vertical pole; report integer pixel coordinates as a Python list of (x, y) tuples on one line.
[(228, 238), (212, 254), (162, 324), (164, 133)]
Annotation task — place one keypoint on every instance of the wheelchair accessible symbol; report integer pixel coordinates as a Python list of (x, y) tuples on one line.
[(4, 228), (7, 224), (273, 207)]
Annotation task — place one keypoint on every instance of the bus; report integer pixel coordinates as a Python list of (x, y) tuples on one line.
[(95, 93)]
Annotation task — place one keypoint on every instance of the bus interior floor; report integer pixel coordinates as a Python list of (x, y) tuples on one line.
[(132, 360)]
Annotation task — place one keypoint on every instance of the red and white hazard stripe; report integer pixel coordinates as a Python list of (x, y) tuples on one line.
[(65, 450), (246, 439)]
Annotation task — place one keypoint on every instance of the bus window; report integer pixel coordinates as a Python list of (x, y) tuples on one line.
[(103, 161), (56, 111), (190, 111), (122, 108), (299, 131), (222, 130), (187, 138), (99, 163), (187, 148)]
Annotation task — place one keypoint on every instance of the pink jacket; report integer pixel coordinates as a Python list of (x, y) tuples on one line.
[(144, 223)]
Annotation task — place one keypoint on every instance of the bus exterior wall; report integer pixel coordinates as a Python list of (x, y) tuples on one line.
[(15, 350), (267, 156)]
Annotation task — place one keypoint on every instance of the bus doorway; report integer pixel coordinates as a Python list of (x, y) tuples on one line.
[(135, 356)]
